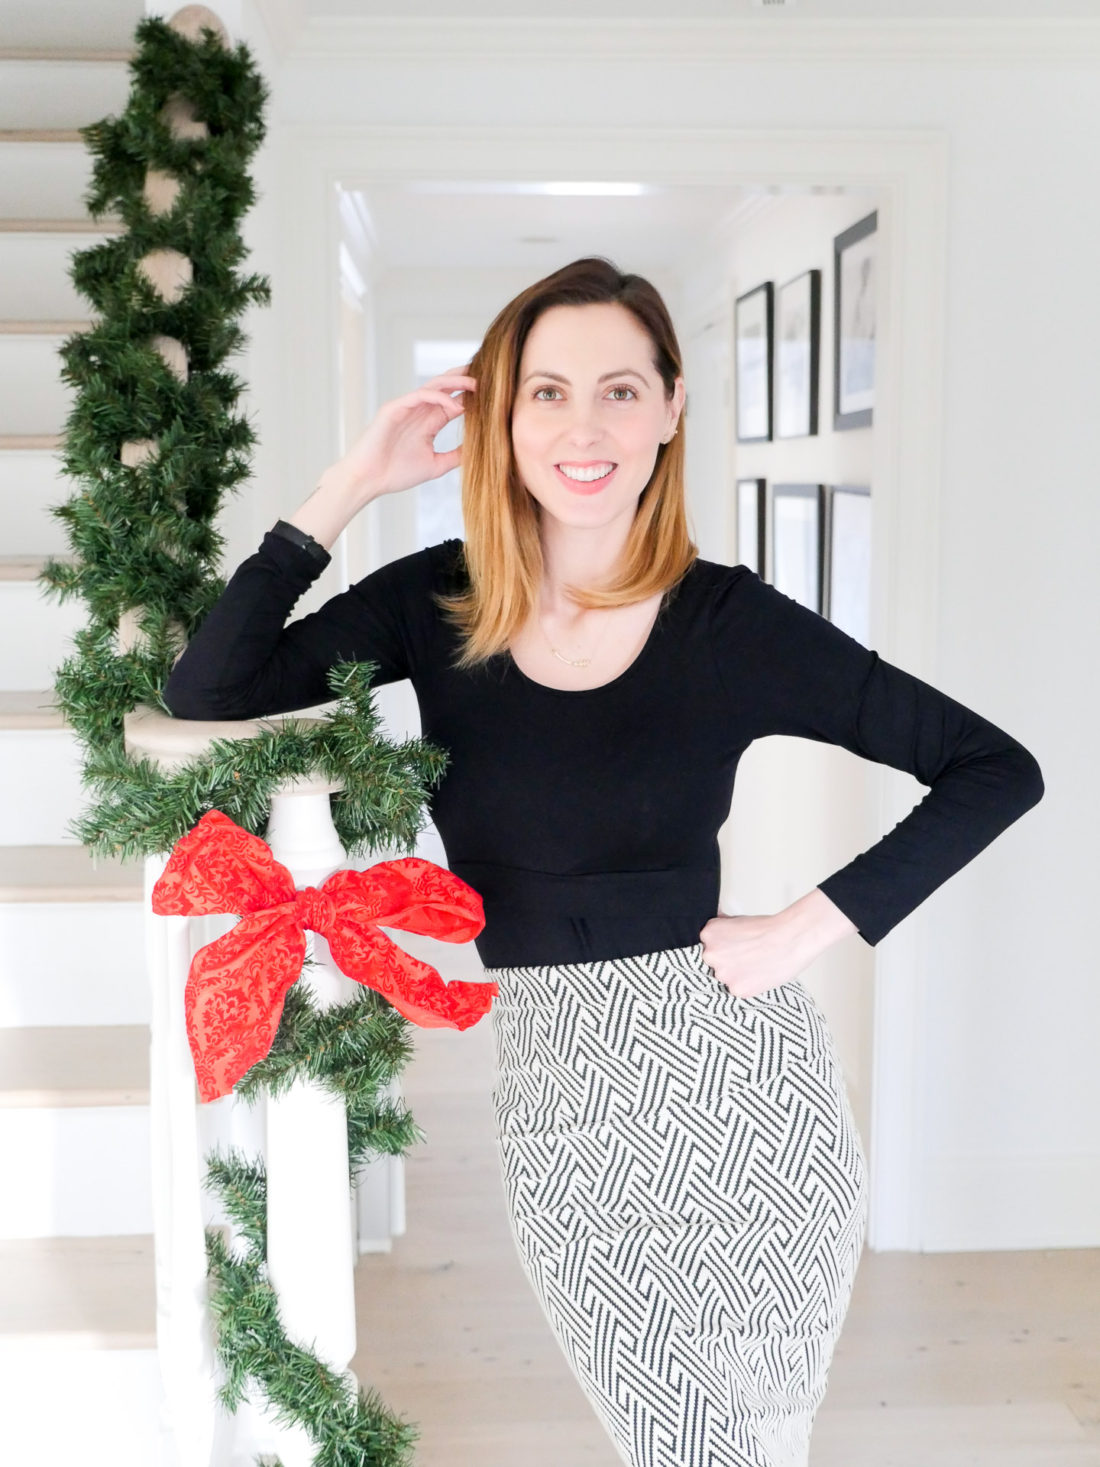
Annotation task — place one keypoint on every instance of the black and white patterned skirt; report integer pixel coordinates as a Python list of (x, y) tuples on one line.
[(687, 1194)]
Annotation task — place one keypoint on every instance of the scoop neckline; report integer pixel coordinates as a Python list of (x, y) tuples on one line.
[(667, 599), (630, 668)]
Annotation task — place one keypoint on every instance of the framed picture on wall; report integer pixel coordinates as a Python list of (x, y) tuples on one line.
[(848, 559), (797, 355), (798, 541), (753, 320), (752, 523), (854, 277)]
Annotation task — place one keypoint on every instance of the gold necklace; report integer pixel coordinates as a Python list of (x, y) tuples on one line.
[(572, 661)]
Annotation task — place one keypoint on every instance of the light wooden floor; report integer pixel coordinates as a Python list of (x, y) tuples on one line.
[(956, 1360)]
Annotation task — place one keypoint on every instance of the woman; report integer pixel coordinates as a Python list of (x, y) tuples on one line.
[(685, 1182)]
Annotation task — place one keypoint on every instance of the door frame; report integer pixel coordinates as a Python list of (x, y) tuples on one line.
[(908, 170)]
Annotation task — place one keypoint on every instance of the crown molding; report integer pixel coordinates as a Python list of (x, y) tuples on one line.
[(298, 36), (769, 159)]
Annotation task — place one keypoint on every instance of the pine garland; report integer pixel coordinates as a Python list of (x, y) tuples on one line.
[(354, 1429), (352, 1049), (143, 809), (144, 545)]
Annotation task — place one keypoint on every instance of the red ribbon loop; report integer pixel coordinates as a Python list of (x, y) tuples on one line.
[(237, 984)]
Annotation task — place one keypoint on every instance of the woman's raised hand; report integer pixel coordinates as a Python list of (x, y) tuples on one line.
[(396, 451)]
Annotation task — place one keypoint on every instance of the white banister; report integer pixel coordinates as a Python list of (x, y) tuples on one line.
[(301, 1135)]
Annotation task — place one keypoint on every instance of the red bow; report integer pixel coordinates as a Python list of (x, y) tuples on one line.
[(237, 984)]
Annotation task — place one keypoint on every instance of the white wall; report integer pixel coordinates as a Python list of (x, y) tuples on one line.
[(1010, 1088)]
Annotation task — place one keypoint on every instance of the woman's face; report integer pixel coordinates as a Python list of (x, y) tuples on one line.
[(588, 396)]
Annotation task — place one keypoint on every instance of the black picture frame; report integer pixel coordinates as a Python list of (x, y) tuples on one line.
[(797, 534), (798, 355), (855, 275), (751, 512), (847, 601), (753, 328)]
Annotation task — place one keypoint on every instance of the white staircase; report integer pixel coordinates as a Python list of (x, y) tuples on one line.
[(78, 1367)]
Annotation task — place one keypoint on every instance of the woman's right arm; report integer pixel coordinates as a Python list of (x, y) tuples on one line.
[(244, 661)]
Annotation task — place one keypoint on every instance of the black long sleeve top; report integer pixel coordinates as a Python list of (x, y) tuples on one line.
[(588, 819)]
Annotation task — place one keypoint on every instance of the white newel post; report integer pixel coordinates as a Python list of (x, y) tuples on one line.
[(311, 1237), (301, 1135)]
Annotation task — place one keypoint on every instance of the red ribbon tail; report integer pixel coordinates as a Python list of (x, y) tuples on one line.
[(457, 1005), (414, 988), (234, 997)]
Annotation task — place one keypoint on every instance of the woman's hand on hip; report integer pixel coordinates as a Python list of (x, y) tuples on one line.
[(752, 954)]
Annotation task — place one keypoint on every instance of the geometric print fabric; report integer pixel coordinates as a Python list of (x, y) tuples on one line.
[(687, 1194)]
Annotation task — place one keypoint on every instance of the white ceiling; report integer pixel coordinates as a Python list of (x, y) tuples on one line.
[(515, 224)]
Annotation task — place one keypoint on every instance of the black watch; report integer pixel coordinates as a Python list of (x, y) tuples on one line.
[(302, 540)]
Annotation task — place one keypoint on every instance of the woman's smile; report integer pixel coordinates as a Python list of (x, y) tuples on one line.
[(587, 485)]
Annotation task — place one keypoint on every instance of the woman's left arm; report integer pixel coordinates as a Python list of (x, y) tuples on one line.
[(801, 675)]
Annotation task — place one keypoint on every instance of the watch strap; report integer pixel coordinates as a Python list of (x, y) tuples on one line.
[(303, 540)]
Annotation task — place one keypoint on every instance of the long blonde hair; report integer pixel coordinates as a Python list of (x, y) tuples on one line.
[(503, 552)]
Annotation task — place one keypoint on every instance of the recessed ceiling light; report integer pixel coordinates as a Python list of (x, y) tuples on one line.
[(583, 188)]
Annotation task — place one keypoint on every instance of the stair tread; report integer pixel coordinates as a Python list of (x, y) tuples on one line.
[(68, 873), (64, 53), (40, 135), (30, 442), (79, 225), (74, 1064), (27, 566), (93, 1292), (30, 708), (43, 327)]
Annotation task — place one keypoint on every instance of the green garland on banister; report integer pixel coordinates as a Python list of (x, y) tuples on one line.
[(144, 543), (354, 1049), (143, 810), (355, 1430)]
